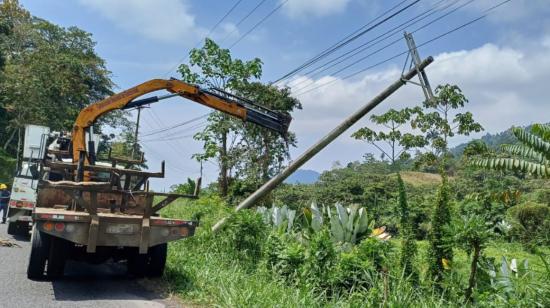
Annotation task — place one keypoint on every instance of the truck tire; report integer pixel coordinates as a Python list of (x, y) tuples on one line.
[(40, 246), (157, 260), (18, 229), (57, 257), (12, 228), (137, 264)]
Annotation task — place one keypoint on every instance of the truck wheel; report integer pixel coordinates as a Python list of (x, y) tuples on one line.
[(137, 264), (18, 228), (157, 260), (57, 257), (40, 246), (12, 228)]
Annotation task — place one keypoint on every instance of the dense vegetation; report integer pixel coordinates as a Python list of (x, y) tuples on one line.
[(498, 236)]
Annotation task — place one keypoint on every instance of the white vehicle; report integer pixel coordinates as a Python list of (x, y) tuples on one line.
[(23, 192), (22, 201)]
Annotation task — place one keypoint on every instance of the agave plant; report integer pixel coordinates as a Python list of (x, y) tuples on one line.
[(281, 218), (531, 156), (347, 225), (314, 217)]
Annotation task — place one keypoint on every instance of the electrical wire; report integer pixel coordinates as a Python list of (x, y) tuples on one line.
[(391, 43), (347, 41), (209, 32), (164, 129), (259, 23), (485, 14), (242, 20), (375, 41), (177, 135)]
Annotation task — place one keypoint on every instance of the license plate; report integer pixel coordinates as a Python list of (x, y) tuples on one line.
[(122, 229)]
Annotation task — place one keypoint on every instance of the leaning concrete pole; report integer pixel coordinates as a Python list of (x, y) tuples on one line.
[(321, 144)]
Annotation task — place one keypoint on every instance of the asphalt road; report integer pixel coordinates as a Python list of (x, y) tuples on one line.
[(84, 285)]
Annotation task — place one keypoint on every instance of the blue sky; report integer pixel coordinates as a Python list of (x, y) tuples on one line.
[(501, 62)]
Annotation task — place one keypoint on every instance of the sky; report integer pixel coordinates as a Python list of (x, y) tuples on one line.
[(501, 62)]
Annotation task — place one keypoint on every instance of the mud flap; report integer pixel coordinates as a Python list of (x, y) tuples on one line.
[(145, 232), (92, 234)]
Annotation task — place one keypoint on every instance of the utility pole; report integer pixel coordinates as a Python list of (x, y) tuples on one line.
[(135, 147), (326, 140), (415, 59)]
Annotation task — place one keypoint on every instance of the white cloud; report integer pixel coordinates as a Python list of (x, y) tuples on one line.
[(315, 8), (505, 86), (161, 20)]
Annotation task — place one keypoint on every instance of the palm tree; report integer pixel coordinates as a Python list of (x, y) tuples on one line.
[(531, 155)]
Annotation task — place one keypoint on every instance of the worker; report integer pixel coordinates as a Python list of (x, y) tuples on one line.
[(4, 200)]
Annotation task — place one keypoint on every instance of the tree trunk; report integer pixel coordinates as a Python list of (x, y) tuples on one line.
[(473, 272), (10, 139), (19, 137), (223, 185)]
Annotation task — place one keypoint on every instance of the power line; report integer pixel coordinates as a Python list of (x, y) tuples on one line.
[(243, 19), (259, 23), (486, 13), (176, 125), (373, 42), (347, 41), (223, 18), (177, 135), (209, 32), (389, 44)]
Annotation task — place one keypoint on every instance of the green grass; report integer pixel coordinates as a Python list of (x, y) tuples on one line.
[(202, 272)]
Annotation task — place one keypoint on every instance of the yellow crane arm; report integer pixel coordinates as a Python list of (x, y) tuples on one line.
[(221, 101)]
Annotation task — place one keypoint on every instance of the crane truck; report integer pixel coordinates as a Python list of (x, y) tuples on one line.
[(91, 211)]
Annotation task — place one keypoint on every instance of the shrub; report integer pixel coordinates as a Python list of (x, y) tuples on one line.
[(408, 242), (531, 224), (438, 250), (320, 257), (284, 256), (243, 236)]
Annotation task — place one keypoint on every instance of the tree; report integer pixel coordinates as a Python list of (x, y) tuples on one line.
[(530, 156), (471, 233), (392, 143), (217, 69), (50, 74), (439, 122), (262, 152)]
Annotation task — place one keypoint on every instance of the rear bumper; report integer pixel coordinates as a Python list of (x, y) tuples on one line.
[(111, 229)]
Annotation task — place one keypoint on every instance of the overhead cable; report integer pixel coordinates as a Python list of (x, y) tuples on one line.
[(344, 43), (485, 14)]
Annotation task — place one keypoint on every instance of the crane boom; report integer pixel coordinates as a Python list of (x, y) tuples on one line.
[(213, 98)]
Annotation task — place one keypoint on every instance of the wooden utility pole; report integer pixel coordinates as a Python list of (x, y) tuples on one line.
[(135, 147)]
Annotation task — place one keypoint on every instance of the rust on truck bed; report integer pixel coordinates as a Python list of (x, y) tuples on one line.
[(113, 229), (113, 212)]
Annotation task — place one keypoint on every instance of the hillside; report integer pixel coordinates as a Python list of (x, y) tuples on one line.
[(494, 141), (303, 176), (420, 178)]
